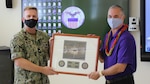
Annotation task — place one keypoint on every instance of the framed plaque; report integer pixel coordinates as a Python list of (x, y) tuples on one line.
[(74, 54)]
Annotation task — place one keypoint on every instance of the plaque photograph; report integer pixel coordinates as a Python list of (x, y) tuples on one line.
[(74, 54)]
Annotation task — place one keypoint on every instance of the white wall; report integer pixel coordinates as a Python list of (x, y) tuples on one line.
[(10, 23), (10, 20)]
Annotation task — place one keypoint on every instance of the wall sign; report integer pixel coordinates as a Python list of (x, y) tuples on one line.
[(73, 17)]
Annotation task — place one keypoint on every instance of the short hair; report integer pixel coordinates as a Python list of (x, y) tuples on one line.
[(117, 6), (30, 8)]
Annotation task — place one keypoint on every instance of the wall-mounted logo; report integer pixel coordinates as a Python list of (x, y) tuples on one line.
[(73, 17)]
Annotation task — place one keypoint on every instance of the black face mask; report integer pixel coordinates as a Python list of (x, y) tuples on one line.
[(31, 23)]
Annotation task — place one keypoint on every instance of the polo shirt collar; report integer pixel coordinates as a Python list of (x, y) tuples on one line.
[(116, 32)]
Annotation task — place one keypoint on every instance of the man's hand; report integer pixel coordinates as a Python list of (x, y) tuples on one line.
[(94, 75), (91, 35), (48, 71)]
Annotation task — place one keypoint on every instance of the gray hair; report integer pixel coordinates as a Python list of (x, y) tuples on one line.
[(117, 6)]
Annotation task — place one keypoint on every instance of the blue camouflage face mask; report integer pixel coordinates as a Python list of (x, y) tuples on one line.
[(114, 22)]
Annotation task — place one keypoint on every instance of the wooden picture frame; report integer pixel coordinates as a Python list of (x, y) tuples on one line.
[(74, 54)]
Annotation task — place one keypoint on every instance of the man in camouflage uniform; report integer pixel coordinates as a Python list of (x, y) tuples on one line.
[(30, 52)]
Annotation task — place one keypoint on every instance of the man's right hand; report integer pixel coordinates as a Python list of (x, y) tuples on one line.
[(48, 71)]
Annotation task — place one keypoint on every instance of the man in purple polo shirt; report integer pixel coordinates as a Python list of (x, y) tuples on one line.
[(118, 51)]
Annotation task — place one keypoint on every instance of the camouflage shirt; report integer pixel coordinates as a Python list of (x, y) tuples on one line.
[(36, 50)]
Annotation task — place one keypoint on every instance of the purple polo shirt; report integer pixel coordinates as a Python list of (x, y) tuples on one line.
[(124, 52)]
